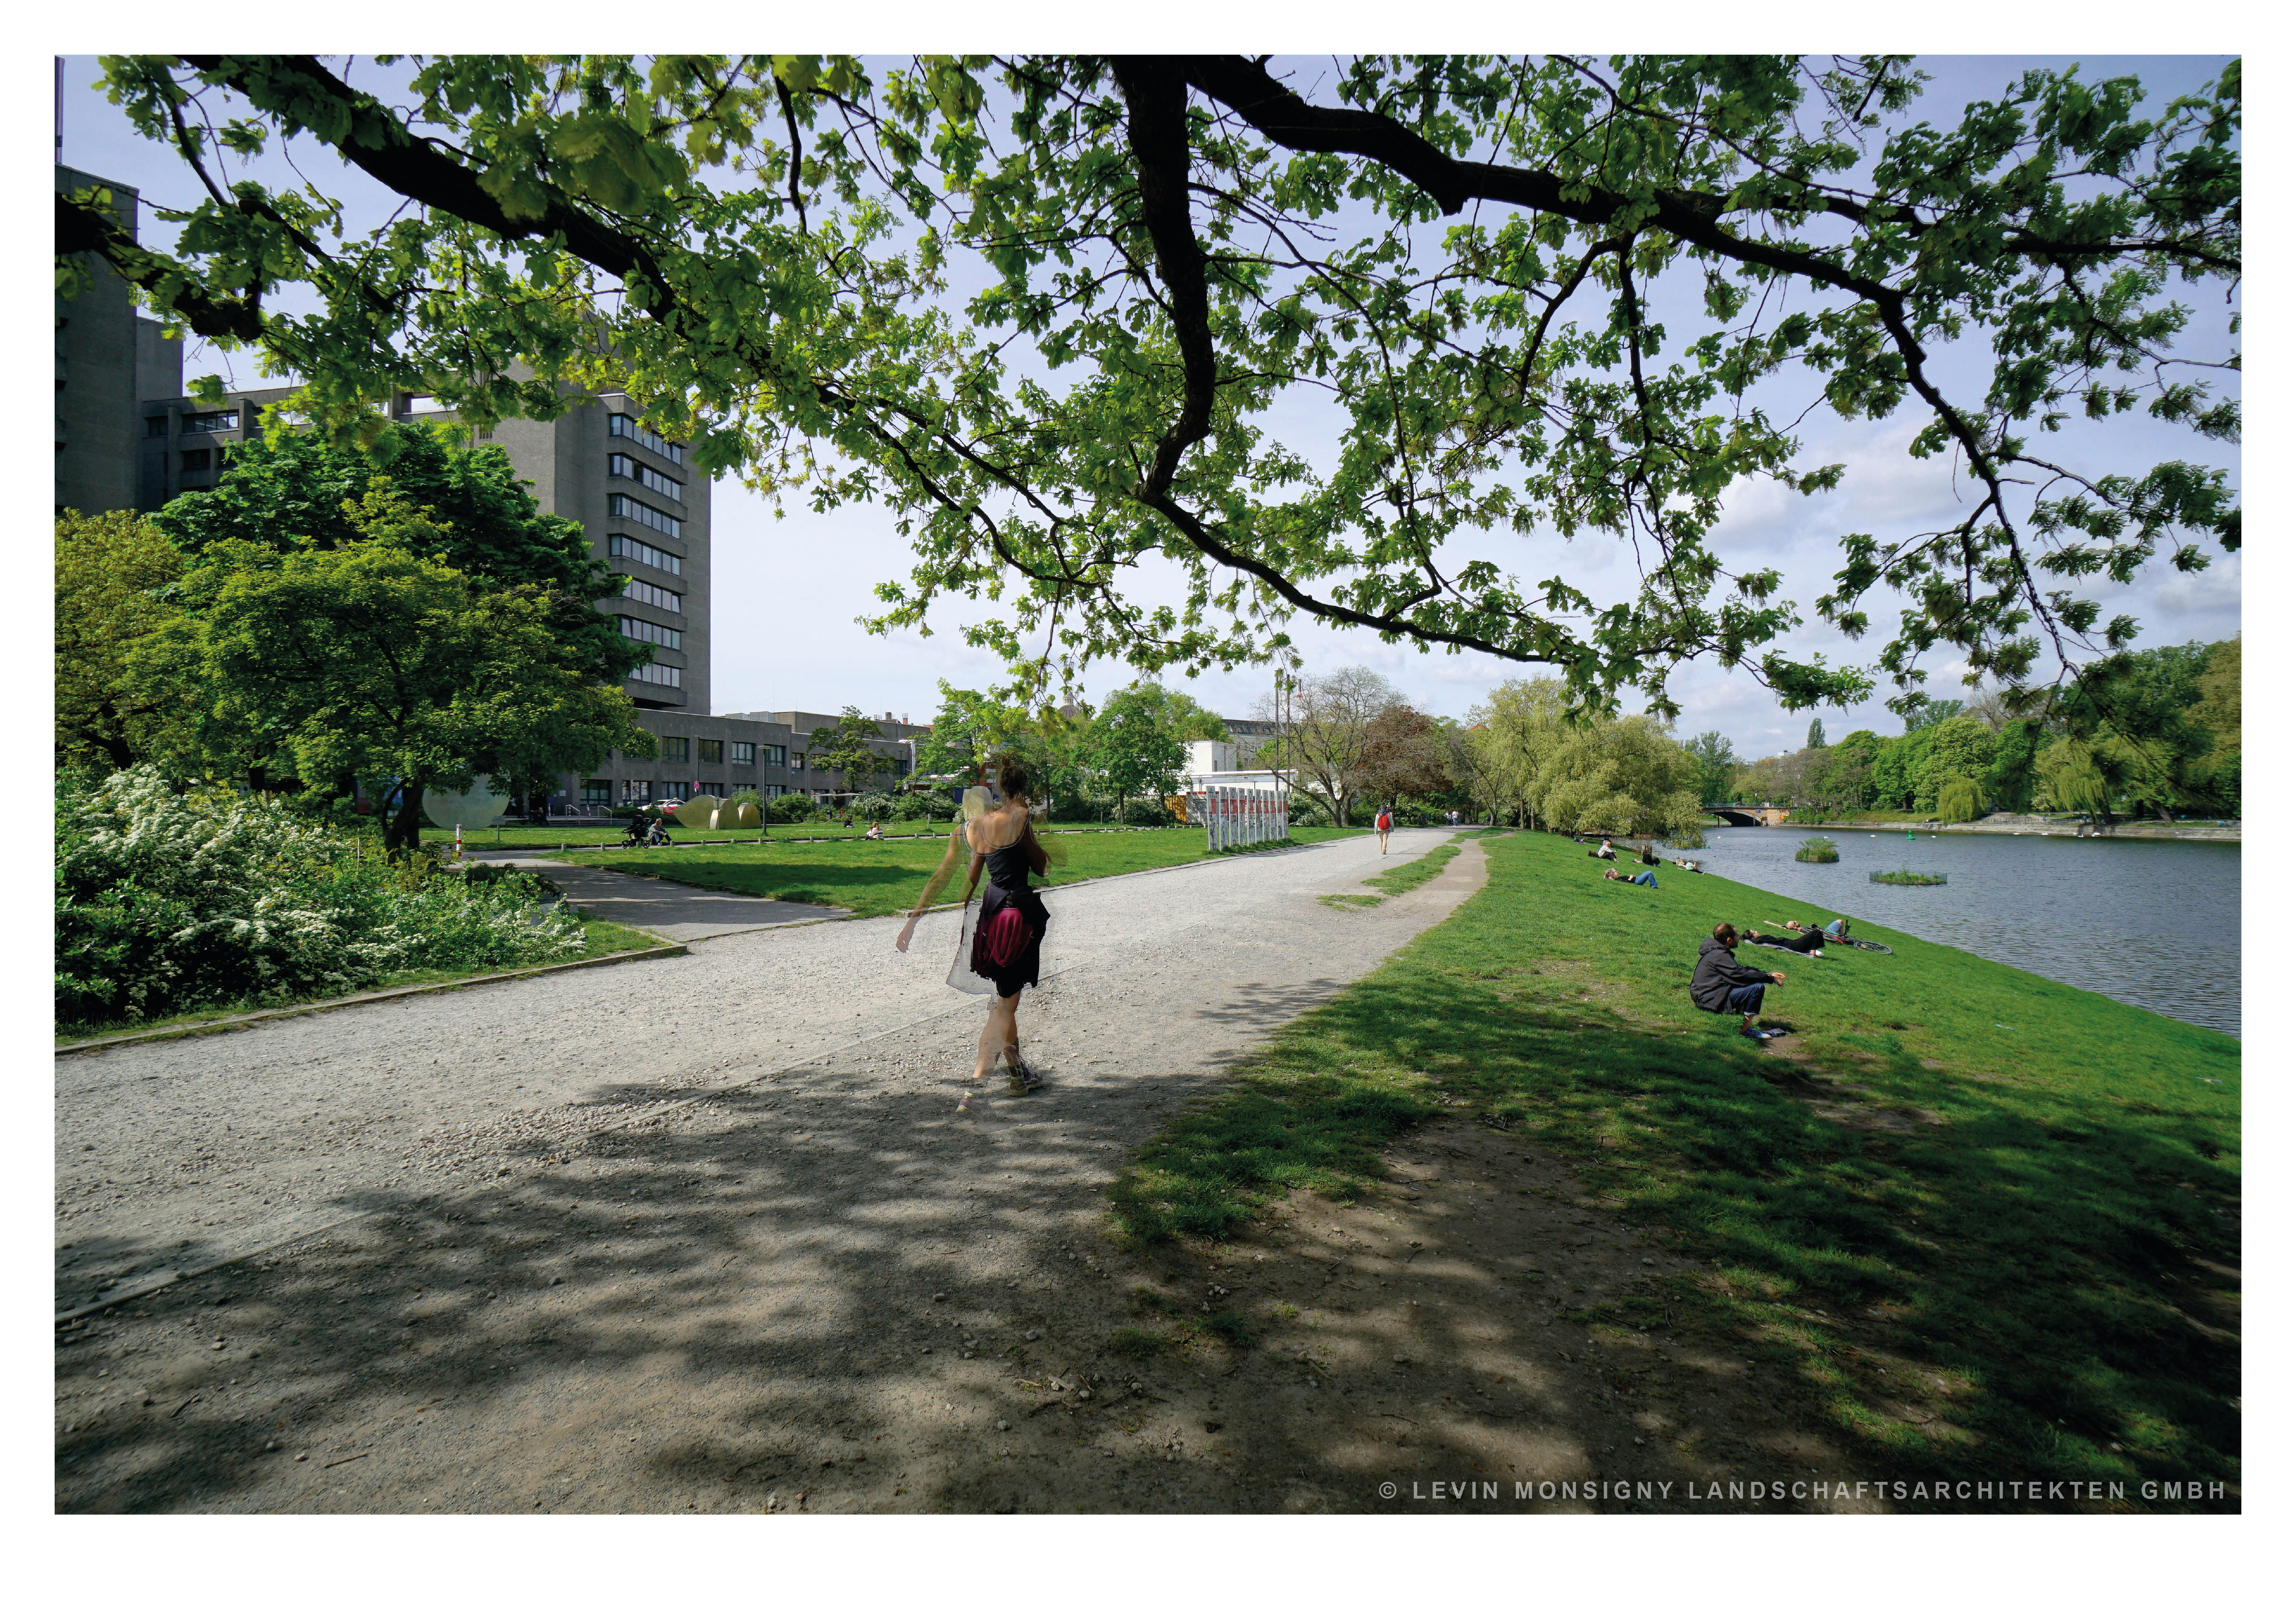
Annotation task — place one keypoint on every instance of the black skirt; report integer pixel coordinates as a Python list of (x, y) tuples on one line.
[(1022, 969)]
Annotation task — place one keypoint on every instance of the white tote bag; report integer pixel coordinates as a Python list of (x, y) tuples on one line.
[(961, 975)]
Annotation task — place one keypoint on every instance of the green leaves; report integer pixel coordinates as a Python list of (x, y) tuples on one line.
[(1212, 327)]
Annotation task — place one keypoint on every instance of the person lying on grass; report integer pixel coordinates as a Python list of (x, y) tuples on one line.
[(1689, 866), (1721, 984), (1804, 939), (1649, 880)]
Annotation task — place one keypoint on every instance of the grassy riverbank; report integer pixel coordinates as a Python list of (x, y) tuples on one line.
[(1988, 1223), (874, 878)]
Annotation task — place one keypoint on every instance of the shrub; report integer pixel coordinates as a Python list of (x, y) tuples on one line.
[(1696, 841), (1903, 876), (873, 807), (166, 902), (791, 809), (1817, 848), (1309, 815), (920, 804)]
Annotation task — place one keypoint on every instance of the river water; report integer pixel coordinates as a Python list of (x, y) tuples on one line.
[(2155, 923)]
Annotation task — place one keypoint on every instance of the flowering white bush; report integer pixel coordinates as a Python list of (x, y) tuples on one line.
[(167, 901)]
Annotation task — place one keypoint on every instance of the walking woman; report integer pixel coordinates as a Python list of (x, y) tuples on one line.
[(1006, 944), (1385, 821)]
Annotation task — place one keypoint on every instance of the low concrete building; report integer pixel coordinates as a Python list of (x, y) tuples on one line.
[(1230, 763), (765, 751)]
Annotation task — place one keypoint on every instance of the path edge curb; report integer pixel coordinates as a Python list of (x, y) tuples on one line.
[(239, 1023)]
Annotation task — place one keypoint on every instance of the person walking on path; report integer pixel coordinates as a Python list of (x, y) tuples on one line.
[(1721, 983), (1383, 822), (1005, 946)]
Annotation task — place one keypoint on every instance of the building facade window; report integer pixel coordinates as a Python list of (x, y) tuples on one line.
[(653, 558), (598, 791), (772, 791), (796, 760), (745, 754), (636, 790), (625, 507), (210, 422), (660, 598), (629, 468), (661, 677), (155, 427), (710, 749), (198, 460), (718, 790), (647, 631), (628, 428), (676, 750), (774, 755)]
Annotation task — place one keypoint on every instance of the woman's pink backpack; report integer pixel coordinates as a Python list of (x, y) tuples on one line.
[(1004, 934)]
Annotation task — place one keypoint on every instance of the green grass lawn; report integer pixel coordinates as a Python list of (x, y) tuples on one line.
[(1394, 881), (1978, 1216), (874, 878), (599, 939)]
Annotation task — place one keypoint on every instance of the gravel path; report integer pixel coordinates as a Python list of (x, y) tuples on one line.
[(562, 1148), (682, 913)]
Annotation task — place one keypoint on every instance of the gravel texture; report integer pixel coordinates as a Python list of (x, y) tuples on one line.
[(552, 1222), (680, 913)]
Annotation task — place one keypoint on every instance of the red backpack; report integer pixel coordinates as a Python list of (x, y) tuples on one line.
[(1004, 934)]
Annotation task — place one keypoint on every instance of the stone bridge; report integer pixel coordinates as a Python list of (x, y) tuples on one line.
[(1751, 817)]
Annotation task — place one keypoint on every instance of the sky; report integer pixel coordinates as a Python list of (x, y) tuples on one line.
[(789, 591)]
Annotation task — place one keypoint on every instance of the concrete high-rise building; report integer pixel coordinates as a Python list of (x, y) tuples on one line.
[(128, 435), (108, 360), (646, 515)]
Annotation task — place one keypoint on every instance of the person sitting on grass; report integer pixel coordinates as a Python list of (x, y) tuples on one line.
[(876, 831), (1722, 985), (1643, 879), (1606, 851)]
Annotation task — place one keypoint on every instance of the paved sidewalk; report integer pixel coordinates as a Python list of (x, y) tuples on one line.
[(682, 913)]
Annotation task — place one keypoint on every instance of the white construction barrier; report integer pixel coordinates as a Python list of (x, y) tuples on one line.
[(1241, 816)]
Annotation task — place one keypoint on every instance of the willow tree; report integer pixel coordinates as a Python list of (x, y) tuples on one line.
[(1370, 354)]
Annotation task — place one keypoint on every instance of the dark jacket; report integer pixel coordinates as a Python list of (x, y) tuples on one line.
[(1720, 971)]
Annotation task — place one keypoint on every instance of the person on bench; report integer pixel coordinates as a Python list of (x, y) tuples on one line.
[(1643, 879), (1722, 985)]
